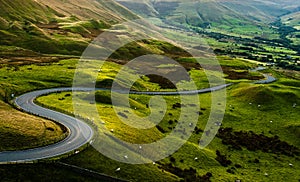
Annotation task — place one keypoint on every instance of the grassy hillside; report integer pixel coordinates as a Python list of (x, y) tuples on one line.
[(22, 131), (64, 27), (292, 19), (259, 136), (258, 140), (245, 125), (20, 76), (228, 16)]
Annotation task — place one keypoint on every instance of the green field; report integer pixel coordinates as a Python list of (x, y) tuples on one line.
[(253, 111), (17, 79), (276, 102)]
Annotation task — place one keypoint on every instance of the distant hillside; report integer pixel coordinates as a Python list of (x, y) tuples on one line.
[(226, 15), (293, 19), (57, 26), (206, 10)]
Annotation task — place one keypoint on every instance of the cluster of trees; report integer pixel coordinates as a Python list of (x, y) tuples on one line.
[(288, 65)]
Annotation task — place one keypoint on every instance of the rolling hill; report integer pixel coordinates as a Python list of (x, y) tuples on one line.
[(214, 14), (292, 19), (251, 8), (259, 136), (57, 26)]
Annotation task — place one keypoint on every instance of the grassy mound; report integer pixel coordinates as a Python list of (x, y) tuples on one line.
[(22, 131), (267, 95), (258, 94)]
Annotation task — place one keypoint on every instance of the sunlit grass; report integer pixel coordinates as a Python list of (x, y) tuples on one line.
[(250, 107), (21, 131)]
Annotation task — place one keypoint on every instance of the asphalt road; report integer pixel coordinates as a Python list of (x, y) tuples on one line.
[(187, 92), (79, 132), (268, 79)]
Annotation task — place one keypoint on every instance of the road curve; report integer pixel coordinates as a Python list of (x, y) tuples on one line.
[(268, 79), (79, 132)]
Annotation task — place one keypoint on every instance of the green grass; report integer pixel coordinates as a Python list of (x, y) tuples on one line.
[(107, 74), (235, 63), (84, 26), (16, 79), (19, 79), (245, 31), (264, 104), (21, 131), (250, 107), (243, 113), (35, 25), (274, 99), (122, 131)]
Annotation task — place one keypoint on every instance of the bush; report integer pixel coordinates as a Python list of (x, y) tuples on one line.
[(103, 97)]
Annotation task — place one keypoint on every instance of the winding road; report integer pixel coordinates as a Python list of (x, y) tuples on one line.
[(268, 77), (80, 133)]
